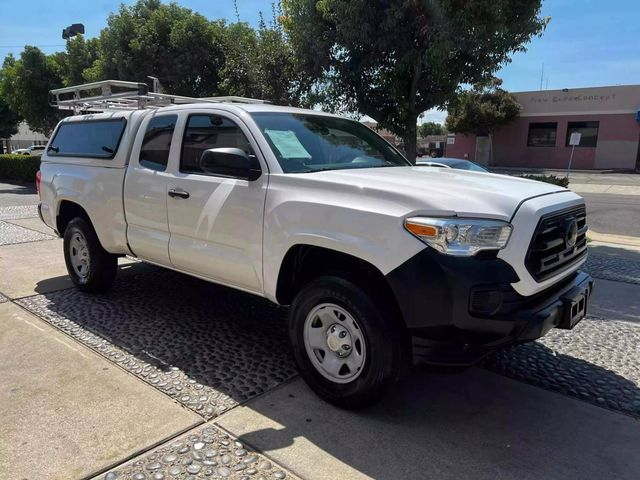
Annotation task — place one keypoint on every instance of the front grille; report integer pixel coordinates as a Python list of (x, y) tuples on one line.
[(551, 252)]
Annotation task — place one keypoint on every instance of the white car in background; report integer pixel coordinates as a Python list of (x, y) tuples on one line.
[(36, 150), (33, 150), (445, 162)]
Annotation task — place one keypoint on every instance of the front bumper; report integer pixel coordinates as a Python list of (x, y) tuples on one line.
[(458, 310)]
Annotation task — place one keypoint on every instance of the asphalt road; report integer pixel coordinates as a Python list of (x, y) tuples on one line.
[(613, 214)]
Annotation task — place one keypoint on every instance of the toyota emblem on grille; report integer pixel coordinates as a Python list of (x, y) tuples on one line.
[(571, 232)]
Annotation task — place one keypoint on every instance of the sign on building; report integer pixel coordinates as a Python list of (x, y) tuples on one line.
[(574, 140)]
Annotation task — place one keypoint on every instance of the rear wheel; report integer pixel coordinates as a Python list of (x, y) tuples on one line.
[(346, 345), (91, 268)]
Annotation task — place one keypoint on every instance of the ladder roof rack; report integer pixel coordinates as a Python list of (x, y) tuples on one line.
[(117, 95)]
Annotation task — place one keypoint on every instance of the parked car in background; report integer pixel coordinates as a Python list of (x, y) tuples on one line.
[(36, 150), (20, 151), (33, 150), (443, 162)]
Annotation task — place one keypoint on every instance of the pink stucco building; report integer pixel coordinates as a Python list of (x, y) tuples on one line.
[(608, 119)]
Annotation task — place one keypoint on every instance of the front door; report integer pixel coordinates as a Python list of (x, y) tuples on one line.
[(215, 222), (483, 150)]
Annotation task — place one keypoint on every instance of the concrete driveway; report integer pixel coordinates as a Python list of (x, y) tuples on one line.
[(168, 377)]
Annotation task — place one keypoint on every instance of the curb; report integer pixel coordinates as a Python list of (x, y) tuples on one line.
[(616, 239), (607, 189)]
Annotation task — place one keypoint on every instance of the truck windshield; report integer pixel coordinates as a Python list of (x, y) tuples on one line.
[(309, 143)]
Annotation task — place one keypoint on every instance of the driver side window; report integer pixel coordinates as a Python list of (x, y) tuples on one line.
[(205, 131)]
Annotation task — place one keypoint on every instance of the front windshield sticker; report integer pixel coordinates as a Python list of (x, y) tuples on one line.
[(287, 143)]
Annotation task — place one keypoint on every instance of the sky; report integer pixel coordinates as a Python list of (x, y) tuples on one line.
[(587, 43)]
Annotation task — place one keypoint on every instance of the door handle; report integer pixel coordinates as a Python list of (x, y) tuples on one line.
[(178, 193)]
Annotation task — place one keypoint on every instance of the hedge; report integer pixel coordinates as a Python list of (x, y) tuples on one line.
[(562, 181), (21, 168)]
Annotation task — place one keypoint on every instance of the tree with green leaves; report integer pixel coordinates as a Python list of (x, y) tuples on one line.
[(9, 119), (262, 64), (482, 111), (430, 128), (394, 59), (240, 73), (80, 55), (25, 85), (181, 48)]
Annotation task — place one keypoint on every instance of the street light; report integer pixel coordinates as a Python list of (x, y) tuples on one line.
[(72, 31)]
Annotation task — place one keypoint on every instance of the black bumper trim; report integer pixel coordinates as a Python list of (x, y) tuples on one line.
[(433, 292)]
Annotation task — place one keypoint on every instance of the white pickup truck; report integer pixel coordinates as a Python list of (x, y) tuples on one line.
[(381, 262)]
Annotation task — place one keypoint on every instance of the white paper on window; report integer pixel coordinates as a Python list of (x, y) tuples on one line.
[(287, 143)]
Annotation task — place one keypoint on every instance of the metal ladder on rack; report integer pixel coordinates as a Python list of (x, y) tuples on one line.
[(117, 95)]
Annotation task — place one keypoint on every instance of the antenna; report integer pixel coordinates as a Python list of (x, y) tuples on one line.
[(541, 75), (156, 84)]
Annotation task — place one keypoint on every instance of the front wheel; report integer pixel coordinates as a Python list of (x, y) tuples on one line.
[(91, 268), (346, 346)]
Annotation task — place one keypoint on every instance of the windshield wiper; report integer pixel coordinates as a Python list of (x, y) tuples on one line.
[(321, 169), (52, 148), (107, 149)]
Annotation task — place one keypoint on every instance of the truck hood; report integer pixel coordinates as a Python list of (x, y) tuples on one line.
[(438, 191)]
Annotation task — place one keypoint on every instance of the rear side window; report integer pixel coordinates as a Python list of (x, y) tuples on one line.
[(210, 131), (157, 142), (93, 139)]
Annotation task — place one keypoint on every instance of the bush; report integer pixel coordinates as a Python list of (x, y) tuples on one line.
[(21, 168), (562, 181)]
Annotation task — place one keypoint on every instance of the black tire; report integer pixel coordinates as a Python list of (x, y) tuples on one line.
[(385, 359), (103, 265)]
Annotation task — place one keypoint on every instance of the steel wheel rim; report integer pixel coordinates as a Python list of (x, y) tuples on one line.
[(334, 343), (79, 255)]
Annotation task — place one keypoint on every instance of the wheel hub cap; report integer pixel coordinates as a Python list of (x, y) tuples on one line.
[(334, 343), (339, 340), (79, 255)]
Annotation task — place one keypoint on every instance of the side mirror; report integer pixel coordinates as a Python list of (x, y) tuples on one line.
[(229, 162)]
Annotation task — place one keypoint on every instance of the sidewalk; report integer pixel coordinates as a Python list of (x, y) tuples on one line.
[(473, 425), (586, 181), (606, 189), (68, 412), (622, 241)]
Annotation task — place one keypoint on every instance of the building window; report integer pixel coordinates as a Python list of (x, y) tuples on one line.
[(542, 135), (589, 131)]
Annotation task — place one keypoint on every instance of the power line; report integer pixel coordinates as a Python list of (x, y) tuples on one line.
[(39, 46)]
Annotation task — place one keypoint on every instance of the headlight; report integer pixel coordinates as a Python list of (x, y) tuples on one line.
[(460, 236)]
